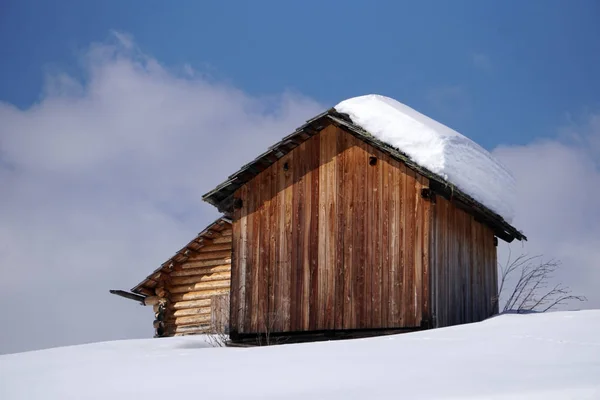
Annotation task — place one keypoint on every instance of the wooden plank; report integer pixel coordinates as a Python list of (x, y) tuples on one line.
[(209, 255), (206, 263), (224, 239), (251, 244), (494, 265), (202, 271), (340, 216), (190, 304), (385, 242), (219, 318), (242, 263), (370, 188), (199, 286), (418, 249), (253, 307), (263, 264), (331, 221), (274, 299), (216, 276), (433, 274), (192, 329), (297, 240), (426, 282), (349, 318), (192, 320), (410, 246), (313, 237), (288, 244), (322, 234), (198, 295), (442, 263), (306, 234), (216, 247), (403, 257), (360, 235), (376, 267), (395, 238), (192, 311)]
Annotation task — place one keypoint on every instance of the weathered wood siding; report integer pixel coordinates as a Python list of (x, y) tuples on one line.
[(194, 289), (324, 240), (464, 277)]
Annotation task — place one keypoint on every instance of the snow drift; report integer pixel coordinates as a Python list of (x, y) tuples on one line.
[(534, 356), (434, 146)]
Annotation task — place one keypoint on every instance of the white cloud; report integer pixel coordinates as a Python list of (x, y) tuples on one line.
[(102, 181), (559, 189)]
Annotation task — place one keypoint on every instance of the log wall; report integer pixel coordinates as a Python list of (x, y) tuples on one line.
[(464, 275), (196, 291), (333, 236)]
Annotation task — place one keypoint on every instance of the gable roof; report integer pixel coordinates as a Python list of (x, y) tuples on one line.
[(147, 286), (222, 196)]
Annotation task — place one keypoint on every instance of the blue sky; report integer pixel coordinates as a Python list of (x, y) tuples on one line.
[(500, 72), (116, 117)]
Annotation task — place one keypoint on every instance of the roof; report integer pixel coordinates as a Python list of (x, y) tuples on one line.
[(222, 195), (438, 148), (147, 286)]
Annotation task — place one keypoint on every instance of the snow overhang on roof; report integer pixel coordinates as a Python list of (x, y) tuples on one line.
[(443, 180)]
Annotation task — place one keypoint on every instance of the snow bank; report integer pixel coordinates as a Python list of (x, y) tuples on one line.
[(535, 356), (438, 148)]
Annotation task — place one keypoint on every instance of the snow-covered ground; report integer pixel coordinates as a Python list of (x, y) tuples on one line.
[(438, 148), (534, 356)]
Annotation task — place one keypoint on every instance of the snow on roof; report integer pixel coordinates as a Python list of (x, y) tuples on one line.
[(434, 146)]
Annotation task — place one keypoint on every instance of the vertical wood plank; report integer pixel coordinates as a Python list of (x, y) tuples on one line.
[(426, 282), (349, 273), (403, 256), (370, 187), (393, 315), (339, 243), (240, 267), (315, 256), (324, 238), (250, 246), (410, 245), (375, 267), (287, 254), (360, 233), (331, 229), (263, 274), (418, 249), (306, 230), (385, 243)]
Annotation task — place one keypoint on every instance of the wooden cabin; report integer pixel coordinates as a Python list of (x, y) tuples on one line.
[(190, 291), (331, 232), (335, 231)]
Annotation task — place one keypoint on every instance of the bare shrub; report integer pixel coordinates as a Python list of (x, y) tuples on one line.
[(533, 291)]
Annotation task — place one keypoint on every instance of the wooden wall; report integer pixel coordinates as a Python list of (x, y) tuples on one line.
[(196, 291), (464, 277), (324, 240)]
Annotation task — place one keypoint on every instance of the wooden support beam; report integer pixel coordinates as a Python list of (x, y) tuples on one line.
[(128, 295)]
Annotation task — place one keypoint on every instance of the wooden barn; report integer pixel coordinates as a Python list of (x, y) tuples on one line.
[(190, 291), (336, 231), (332, 233)]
